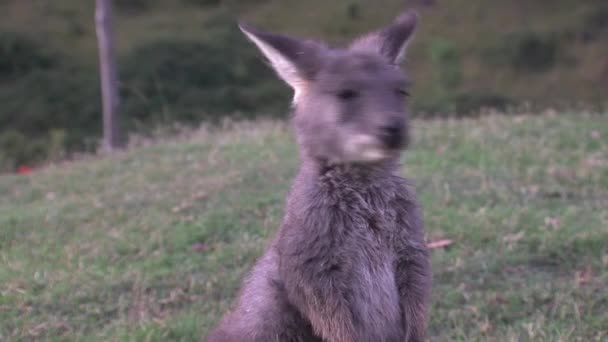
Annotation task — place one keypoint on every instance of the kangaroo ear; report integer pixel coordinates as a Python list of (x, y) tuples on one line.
[(391, 42), (295, 61)]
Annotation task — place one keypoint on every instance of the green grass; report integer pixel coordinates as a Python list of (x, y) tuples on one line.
[(151, 244)]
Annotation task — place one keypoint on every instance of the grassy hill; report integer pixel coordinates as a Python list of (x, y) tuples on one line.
[(151, 244)]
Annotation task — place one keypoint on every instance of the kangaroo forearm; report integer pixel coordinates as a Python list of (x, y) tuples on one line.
[(325, 308), (337, 314), (414, 282)]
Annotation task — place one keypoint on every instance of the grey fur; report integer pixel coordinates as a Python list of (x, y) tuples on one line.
[(349, 262)]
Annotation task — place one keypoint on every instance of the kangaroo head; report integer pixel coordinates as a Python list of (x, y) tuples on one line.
[(349, 103)]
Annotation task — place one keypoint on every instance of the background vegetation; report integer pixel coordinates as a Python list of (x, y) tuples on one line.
[(183, 61), (152, 244)]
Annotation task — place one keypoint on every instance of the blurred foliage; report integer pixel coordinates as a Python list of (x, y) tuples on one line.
[(203, 3), (526, 51), (191, 81), (227, 3), (595, 24), (464, 103), (353, 11), (19, 54), (186, 61), (448, 64), (132, 6), (43, 93), (161, 82)]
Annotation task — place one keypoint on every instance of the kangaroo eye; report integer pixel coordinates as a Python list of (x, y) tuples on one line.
[(348, 94), (403, 93)]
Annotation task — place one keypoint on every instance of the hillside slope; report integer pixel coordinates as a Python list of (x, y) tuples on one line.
[(152, 244)]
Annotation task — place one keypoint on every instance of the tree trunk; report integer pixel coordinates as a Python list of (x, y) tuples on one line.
[(112, 139)]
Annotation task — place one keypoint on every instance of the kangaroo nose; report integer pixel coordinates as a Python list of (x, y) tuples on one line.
[(392, 134)]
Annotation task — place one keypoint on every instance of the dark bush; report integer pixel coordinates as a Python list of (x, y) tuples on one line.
[(526, 51), (42, 93), (12, 153), (466, 103), (203, 3), (448, 63), (59, 98), (228, 3), (595, 24), (165, 81), (17, 150), (463, 103), (598, 20), (56, 100), (20, 54), (353, 11), (191, 81), (132, 6)]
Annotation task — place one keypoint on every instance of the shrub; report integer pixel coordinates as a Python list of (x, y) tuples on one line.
[(595, 24), (64, 100), (191, 81), (132, 6), (17, 150), (49, 105), (466, 103), (353, 11), (203, 3), (526, 51), (448, 63), (20, 54), (164, 81), (228, 3), (463, 103), (58, 98)]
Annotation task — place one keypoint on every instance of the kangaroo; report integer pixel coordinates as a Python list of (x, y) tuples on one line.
[(349, 263)]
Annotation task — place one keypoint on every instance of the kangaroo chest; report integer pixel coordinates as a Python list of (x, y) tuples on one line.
[(368, 244)]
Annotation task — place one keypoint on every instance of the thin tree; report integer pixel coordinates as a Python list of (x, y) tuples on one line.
[(112, 138)]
